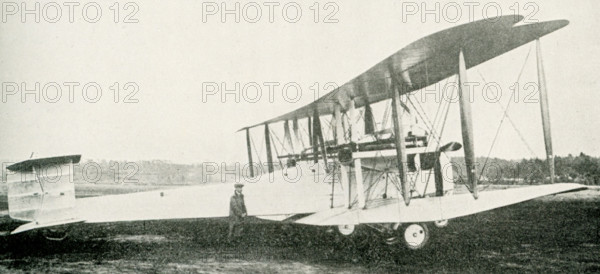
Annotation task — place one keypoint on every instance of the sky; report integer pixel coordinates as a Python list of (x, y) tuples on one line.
[(163, 68)]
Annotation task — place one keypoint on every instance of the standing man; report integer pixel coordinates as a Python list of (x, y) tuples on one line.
[(237, 212)]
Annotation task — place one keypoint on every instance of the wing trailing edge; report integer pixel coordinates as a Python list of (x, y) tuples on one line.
[(427, 61)]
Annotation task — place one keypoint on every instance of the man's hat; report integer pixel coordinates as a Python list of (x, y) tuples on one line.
[(238, 185)]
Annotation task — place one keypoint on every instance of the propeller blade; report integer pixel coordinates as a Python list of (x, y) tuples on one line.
[(452, 146)]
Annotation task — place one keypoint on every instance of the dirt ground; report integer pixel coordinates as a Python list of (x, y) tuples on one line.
[(553, 234)]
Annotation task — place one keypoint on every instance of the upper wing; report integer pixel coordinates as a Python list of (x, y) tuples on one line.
[(428, 61)]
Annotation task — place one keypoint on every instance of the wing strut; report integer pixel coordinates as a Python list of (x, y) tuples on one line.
[(545, 110), (340, 140), (369, 121), (466, 123), (360, 192), (438, 176), (399, 134), (313, 137), (287, 135), (299, 141), (268, 145), (310, 134), (318, 139), (249, 152)]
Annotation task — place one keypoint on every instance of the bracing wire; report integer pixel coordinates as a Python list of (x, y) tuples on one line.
[(504, 115)]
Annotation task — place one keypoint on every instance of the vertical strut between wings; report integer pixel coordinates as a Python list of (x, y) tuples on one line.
[(318, 139), (268, 145), (360, 192), (369, 119), (545, 110), (249, 144), (399, 134), (340, 140), (466, 123), (287, 136)]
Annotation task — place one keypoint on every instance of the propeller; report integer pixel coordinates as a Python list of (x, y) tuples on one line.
[(452, 146)]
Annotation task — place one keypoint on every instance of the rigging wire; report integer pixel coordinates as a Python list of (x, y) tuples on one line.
[(278, 140), (275, 147), (301, 137), (443, 125), (514, 126), (329, 126), (386, 114), (438, 112), (255, 150), (503, 116)]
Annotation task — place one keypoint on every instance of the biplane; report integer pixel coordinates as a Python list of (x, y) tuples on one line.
[(334, 165)]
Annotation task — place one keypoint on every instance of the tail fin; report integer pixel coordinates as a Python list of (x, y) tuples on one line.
[(41, 191)]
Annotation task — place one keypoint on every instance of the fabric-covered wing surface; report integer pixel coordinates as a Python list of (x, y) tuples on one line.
[(435, 208), (428, 61)]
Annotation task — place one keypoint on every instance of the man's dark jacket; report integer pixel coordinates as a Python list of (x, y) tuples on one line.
[(237, 207)]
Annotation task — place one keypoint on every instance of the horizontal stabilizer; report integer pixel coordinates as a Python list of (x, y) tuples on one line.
[(28, 165), (434, 208)]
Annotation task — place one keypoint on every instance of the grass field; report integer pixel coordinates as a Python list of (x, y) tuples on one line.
[(554, 234)]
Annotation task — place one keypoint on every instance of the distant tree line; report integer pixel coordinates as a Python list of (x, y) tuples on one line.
[(154, 172), (583, 169)]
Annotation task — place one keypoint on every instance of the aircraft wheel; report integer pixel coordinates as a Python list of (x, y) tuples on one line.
[(416, 236), (441, 223), (55, 234), (346, 230)]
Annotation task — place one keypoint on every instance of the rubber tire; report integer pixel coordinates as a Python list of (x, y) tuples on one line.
[(416, 236)]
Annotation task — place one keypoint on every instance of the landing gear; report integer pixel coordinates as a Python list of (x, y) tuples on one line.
[(392, 232), (441, 223), (416, 236), (346, 230), (55, 234)]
